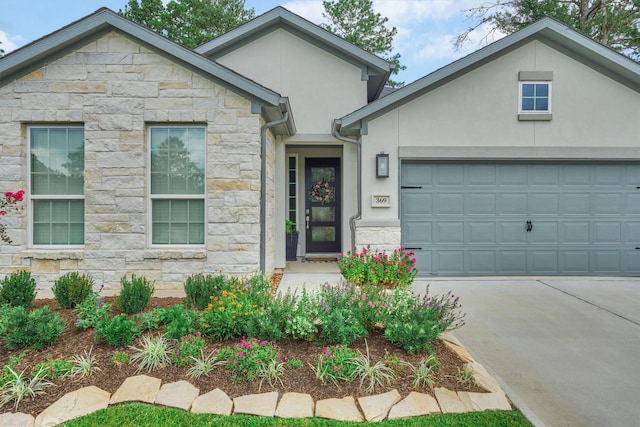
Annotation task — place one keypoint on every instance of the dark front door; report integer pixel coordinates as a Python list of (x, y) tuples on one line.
[(322, 207)]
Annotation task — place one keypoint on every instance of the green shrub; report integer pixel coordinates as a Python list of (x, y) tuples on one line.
[(178, 321), (186, 349), (72, 288), (91, 311), (38, 328), (18, 289), (119, 331), (200, 288), (135, 294)]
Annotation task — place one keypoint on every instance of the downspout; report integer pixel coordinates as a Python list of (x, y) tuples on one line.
[(335, 131), (263, 187)]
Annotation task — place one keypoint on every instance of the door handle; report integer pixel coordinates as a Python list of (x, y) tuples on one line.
[(529, 226), (307, 221)]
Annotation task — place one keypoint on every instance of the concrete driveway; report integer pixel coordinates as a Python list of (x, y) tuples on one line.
[(566, 350)]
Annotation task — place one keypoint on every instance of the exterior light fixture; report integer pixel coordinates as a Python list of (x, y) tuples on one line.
[(382, 165)]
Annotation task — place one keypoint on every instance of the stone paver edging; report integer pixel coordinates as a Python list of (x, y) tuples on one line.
[(185, 396)]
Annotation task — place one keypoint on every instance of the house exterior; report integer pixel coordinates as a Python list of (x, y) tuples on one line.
[(140, 156)]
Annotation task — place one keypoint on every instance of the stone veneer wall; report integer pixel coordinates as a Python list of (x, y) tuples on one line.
[(381, 235), (116, 88)]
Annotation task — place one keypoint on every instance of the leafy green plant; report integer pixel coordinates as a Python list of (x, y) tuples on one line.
[(422, 373), (18, 387), (14, 360), (294, 364), (120, 358), (72, 288), (38, 328), (119, 331), (339, 324), (204, 364), (153, 354), (199, 289), (371, 374), (272, 372), (18, 289), (300, 321), (466, 375), (244, 359), (149, 321), (91, 311), (395, 270), (135, 294), (179, 321), (335, 364), (54, 368), (233, 311), (84, 365), (187, 347)]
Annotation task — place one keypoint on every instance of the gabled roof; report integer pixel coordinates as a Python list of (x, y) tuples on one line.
[(548, 31), (21, 61), (374, 69)]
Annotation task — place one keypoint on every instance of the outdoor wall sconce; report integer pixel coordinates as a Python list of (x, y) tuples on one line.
[(382, 165)]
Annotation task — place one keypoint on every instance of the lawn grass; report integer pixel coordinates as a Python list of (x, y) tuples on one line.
[(141, 415)]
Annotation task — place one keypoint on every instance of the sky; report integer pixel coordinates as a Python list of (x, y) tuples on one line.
[(426, 28)]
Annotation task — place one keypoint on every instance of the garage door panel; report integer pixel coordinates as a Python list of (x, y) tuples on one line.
[(481, 233), (575, 204), (547, 175), (605, 261), (450, 262), (417, 204), (631, 261), (512, 232), (481, 175), (480, 204), (481, 261), (576, 232), (608, 203), (511, 204), (450, 232), (576, 175), (471, 218), (513, 261), (418, 232), (574, 261), (632, 233), (543, 261), (607, 232), (449, 175), (609, 175), (543, 204), (544, 232), (416, 174), (633, 204), (449, 204)]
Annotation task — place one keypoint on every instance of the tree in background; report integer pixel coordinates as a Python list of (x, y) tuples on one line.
[(188, 22), (614, 23), (356, 22)]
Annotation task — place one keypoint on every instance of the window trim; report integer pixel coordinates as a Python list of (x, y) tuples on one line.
[(30, 197), (535, 77), (151, 197)]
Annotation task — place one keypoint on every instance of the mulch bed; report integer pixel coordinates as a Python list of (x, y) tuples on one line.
[(74, 342)]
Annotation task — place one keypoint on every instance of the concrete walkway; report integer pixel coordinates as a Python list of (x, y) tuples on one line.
[(565, 350)]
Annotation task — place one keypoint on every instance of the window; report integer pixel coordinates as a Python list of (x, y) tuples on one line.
[(535, 97), (57, 185), (293, 188), (177, 185)]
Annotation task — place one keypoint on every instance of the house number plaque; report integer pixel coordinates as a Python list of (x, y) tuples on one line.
[(380, 201)]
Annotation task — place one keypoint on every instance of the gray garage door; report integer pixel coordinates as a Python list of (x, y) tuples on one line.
[(503, 219)]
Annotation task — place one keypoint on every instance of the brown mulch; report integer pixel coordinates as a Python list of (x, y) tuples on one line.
[(74, 342)]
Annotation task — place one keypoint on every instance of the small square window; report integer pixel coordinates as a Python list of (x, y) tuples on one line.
[(535, 97)]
